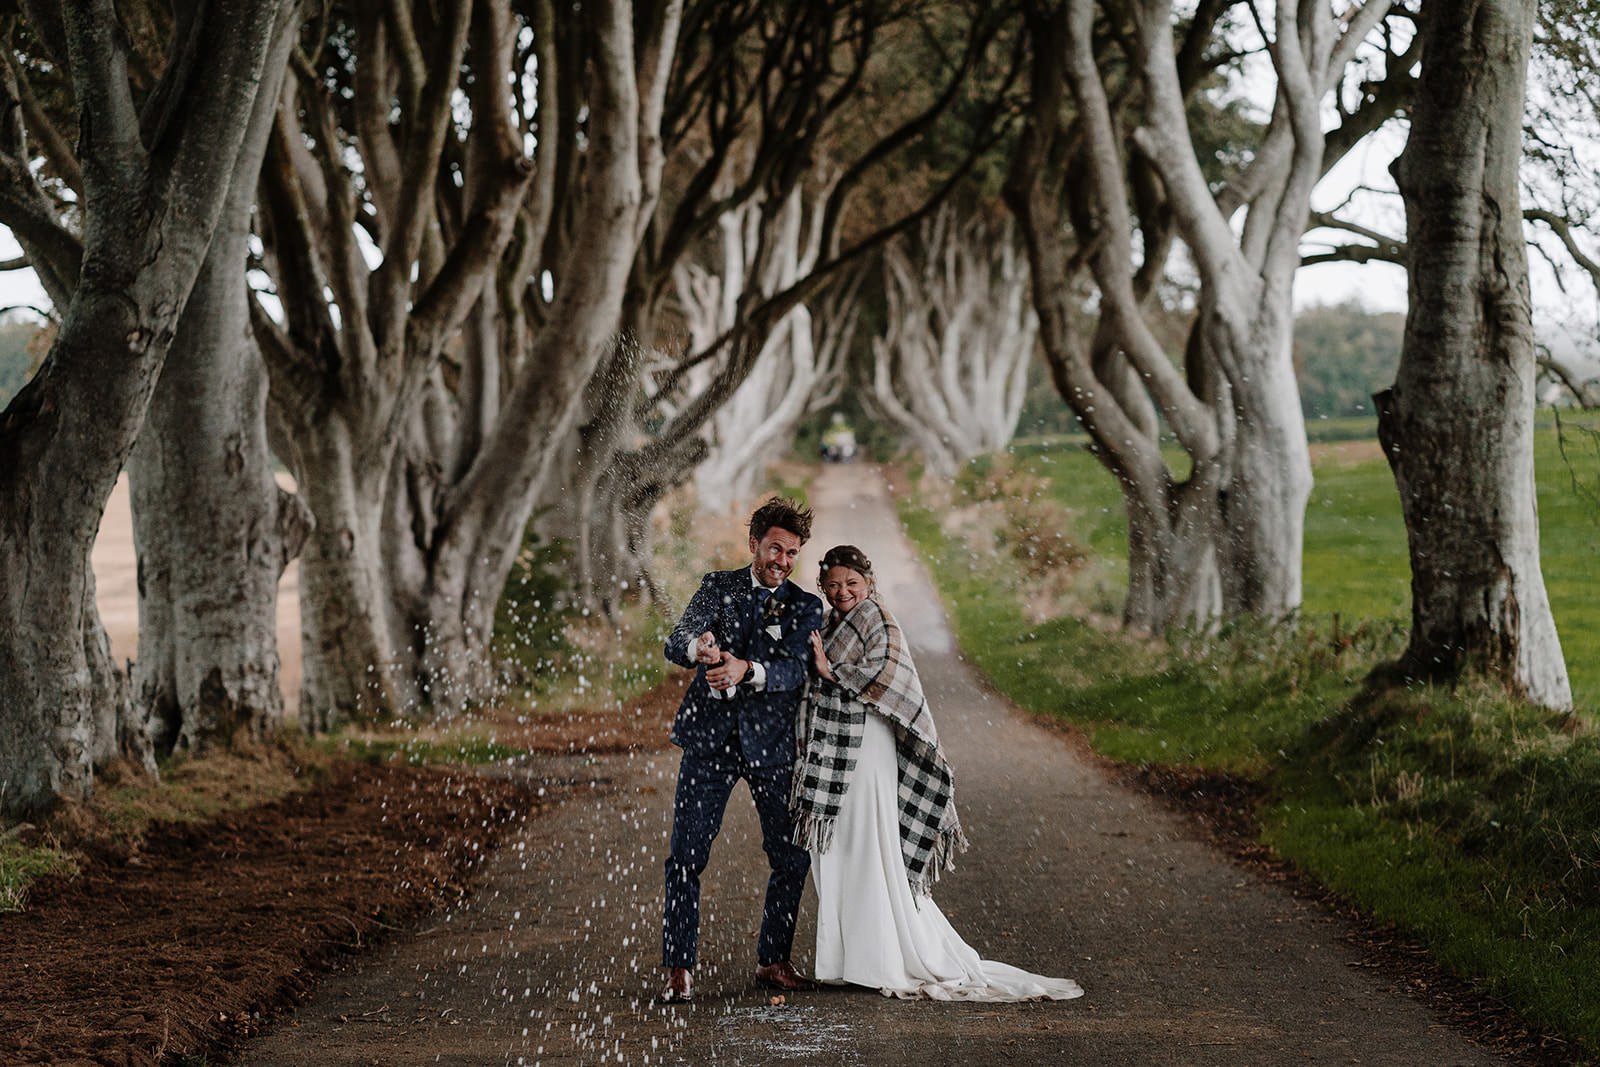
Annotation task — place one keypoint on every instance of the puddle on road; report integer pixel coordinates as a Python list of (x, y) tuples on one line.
[(782, 1034)]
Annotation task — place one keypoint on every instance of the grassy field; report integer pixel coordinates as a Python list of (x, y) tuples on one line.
[(1355, 544), (1467, 820)]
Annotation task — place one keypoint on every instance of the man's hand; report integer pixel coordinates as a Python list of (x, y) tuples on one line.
[(728, 673), (706, 650)]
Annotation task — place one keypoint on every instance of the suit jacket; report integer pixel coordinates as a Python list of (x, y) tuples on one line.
[(777, 636)]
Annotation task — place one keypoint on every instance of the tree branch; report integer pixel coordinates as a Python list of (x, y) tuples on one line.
[(1562, 228)]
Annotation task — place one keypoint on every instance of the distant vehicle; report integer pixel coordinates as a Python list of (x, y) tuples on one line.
[(838, 441)]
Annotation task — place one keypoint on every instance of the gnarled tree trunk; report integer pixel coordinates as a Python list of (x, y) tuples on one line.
[(1235, 518), (466, 550), (1265, 463), (149, 211), (353, 362), (212, 529), (951, 370), (1458, 424)]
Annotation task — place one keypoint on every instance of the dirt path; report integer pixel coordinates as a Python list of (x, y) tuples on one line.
[(1186, 958)]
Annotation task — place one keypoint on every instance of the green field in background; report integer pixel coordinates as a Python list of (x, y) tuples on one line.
[(1355, 544)]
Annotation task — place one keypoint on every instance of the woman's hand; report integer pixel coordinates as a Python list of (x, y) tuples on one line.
[(821, 657)]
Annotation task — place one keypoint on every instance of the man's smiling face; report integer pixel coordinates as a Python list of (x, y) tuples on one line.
[(775, 555)]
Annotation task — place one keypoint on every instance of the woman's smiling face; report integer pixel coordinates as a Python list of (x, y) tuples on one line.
[(844, 588)]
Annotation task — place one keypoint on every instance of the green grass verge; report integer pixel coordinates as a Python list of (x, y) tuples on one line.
[(1469, 821), (22, 865), (468, 750), (1356, 567)]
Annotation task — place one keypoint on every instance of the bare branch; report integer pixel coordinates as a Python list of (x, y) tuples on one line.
[(1585, 390), (49, 315), (56, 149), (1562, 228), (426, 128)]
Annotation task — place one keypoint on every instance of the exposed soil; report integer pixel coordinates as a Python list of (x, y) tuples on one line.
[(183, 945), (184, 942)]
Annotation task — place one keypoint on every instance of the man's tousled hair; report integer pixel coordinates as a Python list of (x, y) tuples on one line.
[(783, 513)]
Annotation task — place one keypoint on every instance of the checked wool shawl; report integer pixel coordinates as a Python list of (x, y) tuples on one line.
[(874, 674)]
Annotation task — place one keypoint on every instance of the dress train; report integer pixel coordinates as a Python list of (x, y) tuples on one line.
[(871, 930)]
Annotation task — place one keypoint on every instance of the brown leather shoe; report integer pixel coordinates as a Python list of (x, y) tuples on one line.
[(783, 976), (680, 985)]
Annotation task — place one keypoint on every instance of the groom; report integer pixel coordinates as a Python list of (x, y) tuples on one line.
[(746, 633)]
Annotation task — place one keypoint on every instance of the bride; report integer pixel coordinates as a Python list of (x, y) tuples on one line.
[(873, 799)]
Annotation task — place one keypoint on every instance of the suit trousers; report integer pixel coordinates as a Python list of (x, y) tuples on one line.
[(704, 785)]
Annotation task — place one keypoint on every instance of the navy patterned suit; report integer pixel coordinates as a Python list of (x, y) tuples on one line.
[(748, 735)]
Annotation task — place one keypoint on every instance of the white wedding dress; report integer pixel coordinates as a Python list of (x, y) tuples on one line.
[(871, 930)]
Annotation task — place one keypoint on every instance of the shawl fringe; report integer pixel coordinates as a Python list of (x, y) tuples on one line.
[(814, 832), (943, 858)]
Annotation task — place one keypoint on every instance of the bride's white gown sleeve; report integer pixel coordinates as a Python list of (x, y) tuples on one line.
[(871, 930)]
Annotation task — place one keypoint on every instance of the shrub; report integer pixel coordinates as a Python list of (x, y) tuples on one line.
[(530, 622)]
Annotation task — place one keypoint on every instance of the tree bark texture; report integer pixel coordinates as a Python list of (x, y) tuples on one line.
[(352, 643), (152, 196), (212, 529), (1458, 424)]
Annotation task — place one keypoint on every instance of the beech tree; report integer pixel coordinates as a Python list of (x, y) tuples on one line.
[(1560, 202), (446, 298), (1222, 537), (951, 370), (799, 369), (767, 114), (1457, 426), (212, 529), (154, 181), (358, 340)]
